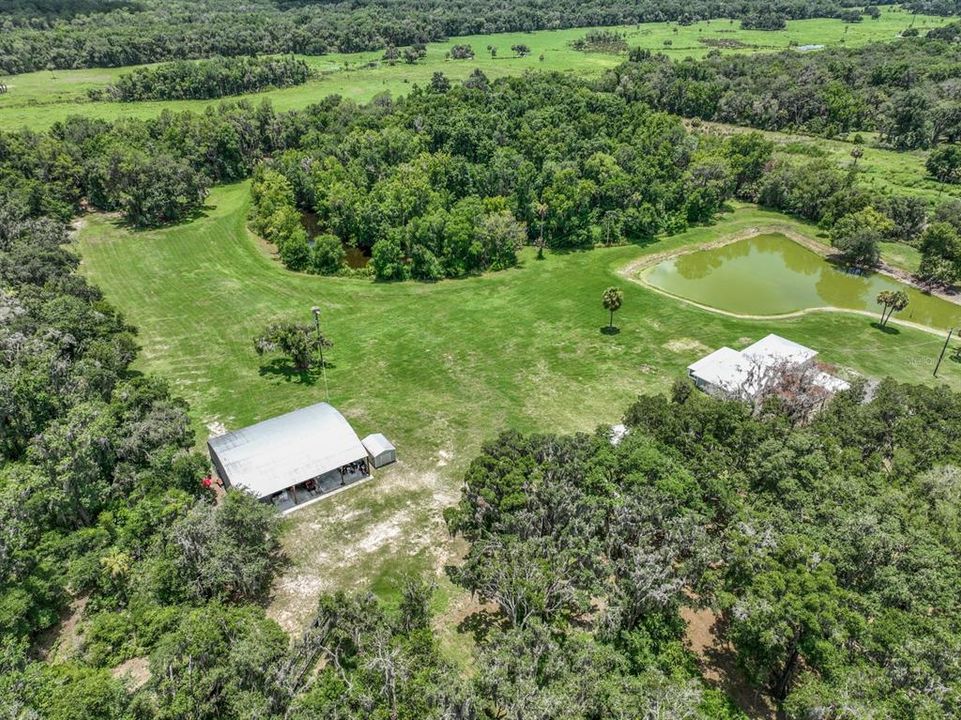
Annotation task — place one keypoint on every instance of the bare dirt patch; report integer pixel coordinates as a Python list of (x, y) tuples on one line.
[(135, 672), (352, 539), (717, 660), (62, 641), (685, 345), (216, 428), (443, 458), (381, 534)]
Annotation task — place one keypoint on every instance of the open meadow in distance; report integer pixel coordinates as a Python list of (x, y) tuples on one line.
[(440, 368), (880, 170), (37, 100)]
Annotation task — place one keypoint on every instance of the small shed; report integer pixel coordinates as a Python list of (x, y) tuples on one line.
[(379, 450)]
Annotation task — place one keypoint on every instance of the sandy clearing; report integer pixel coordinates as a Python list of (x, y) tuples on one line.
[(135, 672), (717, 659)]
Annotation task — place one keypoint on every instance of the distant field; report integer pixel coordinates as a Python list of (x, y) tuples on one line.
[(439, 368), (39, 99), (887, 172)]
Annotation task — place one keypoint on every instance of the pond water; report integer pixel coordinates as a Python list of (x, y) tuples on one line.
[(356, 257), (773, 275)]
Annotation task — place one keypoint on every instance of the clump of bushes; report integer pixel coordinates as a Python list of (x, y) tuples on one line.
[(462, 52), (608, 41)]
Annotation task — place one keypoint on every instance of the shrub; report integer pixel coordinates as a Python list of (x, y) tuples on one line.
[(387, 259), (327, 256), (462, 52), (425, 265)]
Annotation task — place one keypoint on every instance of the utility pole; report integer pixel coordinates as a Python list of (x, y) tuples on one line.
[(943, 349), (320, 343)]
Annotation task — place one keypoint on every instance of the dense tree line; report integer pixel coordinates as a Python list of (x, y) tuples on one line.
[(154, 171), (442, 183), (101, 495), (162, 30), (906, 90), (451, 181), (205, 79), (43, 14), (447, 183), (828, 550)]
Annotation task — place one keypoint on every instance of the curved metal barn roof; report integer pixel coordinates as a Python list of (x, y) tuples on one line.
[(274, 454)]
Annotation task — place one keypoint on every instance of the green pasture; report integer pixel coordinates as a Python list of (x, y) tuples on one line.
[(39, 99), (880, 170), (439, 368)]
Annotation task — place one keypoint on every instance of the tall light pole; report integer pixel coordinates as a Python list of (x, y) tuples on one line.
[(320, 343), (941, 356)]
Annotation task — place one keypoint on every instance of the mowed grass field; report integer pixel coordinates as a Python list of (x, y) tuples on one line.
[(439, 368), (39, 99)]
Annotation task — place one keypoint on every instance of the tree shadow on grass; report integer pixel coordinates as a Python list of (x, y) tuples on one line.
[(610, 330), (196, 214), (282, 368), (886, 329), (480, 622)]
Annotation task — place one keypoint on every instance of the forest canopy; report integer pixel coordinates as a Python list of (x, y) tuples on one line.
[(829, 550), (447, 183)]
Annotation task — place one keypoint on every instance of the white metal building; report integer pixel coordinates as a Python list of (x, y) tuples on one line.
[(292, 459), (722, 373), (744, 374), (774, 350)]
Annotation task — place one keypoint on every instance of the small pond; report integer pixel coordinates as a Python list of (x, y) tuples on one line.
[(773, 275), (356, 257)]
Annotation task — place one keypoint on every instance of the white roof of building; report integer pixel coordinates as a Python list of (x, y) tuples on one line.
[(744, 373), (377, 444), (280, 452), (775, 350), (831, 383), (725, 368)]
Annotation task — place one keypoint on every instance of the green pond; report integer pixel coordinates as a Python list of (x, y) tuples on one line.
[(773, 275)]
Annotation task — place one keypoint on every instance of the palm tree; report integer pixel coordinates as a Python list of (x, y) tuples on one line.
[(892, 301), (541, 209), (612, 300)]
